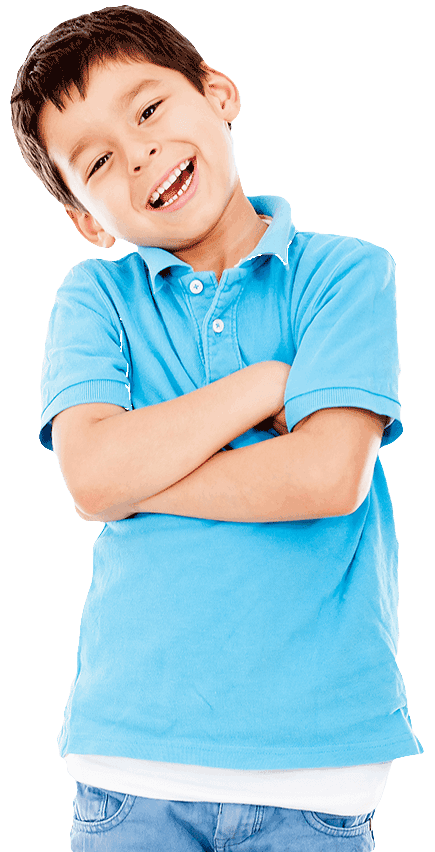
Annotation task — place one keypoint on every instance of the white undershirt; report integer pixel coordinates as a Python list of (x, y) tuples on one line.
[(347, 790)]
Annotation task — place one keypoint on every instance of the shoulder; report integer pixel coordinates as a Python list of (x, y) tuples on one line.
[(106, 286), (326, 264), (106, 273), (332, 250)]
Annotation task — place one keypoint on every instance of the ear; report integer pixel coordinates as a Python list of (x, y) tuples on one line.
[(222, 93), (90, 228)]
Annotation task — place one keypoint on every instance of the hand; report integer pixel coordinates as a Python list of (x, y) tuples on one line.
[(279, 422)]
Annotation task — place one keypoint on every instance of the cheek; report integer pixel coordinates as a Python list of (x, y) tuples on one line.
[(111, 207)]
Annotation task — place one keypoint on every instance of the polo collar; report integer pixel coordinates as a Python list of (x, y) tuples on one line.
[(275, 241)]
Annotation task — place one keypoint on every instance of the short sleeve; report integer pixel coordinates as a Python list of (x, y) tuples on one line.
[(344, 326), (85, 354)]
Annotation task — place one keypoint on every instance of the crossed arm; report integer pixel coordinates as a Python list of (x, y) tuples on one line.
[(166, 458)]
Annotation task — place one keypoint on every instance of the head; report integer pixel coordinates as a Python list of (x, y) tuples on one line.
[(106, 107)]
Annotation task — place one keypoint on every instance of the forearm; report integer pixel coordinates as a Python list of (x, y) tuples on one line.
[(322, 469), (121, 459), (250, 484)]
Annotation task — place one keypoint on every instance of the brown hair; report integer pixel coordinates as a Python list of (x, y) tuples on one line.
[(61, 60)]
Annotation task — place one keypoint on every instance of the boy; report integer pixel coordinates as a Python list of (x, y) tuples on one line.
[(219, 398)]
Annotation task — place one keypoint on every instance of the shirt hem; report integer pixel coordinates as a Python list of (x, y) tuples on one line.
[(309, 757)]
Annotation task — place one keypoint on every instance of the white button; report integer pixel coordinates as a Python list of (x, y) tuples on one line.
[(218, 326), (196, 286)]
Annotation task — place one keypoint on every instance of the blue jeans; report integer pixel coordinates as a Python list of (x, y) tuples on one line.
[(105, 821)]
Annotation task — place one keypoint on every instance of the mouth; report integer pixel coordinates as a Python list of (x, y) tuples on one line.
[(175, 186)]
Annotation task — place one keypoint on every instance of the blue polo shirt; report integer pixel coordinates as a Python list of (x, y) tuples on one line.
[(238, 645)]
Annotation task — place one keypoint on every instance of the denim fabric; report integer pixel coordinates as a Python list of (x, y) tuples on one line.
[(105, 821)]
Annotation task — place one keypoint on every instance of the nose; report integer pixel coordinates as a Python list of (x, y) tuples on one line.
[(140, 154)]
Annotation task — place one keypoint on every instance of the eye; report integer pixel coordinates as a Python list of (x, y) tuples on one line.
[(148, 112), (98, 164)]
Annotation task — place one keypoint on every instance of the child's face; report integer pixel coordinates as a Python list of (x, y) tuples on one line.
[(136, 125)]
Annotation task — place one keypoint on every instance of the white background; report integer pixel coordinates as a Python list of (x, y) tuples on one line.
[(337, 116)]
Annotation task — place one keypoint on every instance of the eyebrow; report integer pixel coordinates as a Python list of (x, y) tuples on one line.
[(123, 102), (78, 149), (126, 99)]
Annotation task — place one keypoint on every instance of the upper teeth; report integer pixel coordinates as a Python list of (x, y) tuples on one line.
[(169, 181)]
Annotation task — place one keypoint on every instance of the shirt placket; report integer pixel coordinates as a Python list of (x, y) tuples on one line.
[(217, 321)]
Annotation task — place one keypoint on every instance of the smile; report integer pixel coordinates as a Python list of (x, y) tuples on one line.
[(175, 185)]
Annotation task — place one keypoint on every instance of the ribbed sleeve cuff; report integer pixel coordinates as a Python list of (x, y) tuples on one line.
[(100, 390), (301, 406)]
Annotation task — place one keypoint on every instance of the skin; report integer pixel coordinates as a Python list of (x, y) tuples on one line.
[(117, 463), (134, 147)]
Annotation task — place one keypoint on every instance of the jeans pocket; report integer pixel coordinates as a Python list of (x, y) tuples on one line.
[(340, 826), (99, 810)]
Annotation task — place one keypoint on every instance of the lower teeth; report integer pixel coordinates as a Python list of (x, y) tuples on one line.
[(179, 193), (159, 203)]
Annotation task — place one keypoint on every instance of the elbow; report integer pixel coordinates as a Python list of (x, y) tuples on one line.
[(95, 497), (341, 507), (346, 496), (90, 496), (83, 516), (320, 500), (93, 493), (93, 504), (89, 502)]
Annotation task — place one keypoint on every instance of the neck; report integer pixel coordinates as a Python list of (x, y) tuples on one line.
[(237, 232)]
